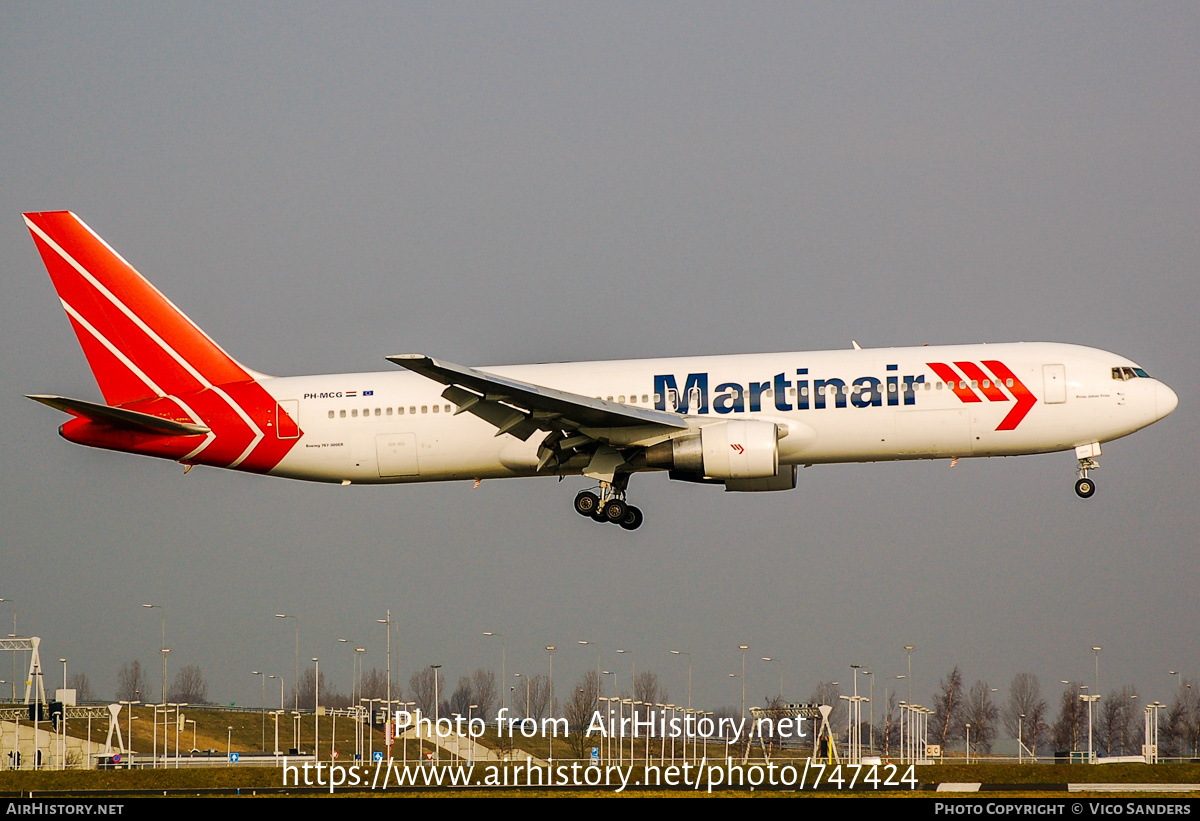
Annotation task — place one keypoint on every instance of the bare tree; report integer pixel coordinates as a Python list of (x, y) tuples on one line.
[(538, 696), (947, 723), (82, 686), (421, 686), (826, 692), (460, 699), (580, 709), (308, 690), (1117, 724), (1071, 725), (648, 690), (983, 715), (189, 686), (483, 691), (887, 734), (1179, 729), (374, 685), (1025, 699), (131, 681)]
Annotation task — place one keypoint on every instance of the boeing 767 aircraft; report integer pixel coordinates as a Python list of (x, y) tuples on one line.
[(745, 422)]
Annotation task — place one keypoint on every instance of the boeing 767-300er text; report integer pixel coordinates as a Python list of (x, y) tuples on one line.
[(745, 422)]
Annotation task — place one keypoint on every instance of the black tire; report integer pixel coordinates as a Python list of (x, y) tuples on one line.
[(615, 511), (633, 518), (1084, 488), (587, 503)]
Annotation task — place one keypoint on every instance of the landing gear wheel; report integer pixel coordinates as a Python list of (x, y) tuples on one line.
[(587, 504), (1084, 488), (633, 518), (615, 511)]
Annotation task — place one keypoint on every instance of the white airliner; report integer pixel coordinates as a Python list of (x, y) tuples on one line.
[(743, 421)]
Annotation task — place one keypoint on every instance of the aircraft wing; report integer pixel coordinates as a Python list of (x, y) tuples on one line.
[(521, 408)]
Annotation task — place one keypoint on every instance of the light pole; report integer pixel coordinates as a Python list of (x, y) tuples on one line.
[(263, 678), (550, 651), (1090, 699), (388, 622), (871, 701), (503, 667), (163, 613), (437, 748), (633, 673), (281, 707), (295, 620), (316, 710), (778, 661), (522, 675), (1020, 743), (743, 648), (1096, 649), (597, 646), (129, 725), (908, 650), (689, 658)]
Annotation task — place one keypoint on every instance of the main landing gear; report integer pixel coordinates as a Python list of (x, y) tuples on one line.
[(609, 506), (1084, 485)]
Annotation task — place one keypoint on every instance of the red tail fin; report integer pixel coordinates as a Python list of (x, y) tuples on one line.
[(138, 344)]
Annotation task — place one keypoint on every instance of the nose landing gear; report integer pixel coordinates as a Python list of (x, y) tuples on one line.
[(609, 506), (1084, 485)]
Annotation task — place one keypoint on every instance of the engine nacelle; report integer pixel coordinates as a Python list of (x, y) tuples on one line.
[(725, 450)]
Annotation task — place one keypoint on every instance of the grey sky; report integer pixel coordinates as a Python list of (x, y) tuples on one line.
[(321, 185)]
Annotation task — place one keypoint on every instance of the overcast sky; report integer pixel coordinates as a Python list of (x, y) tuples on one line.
[(320, 185)]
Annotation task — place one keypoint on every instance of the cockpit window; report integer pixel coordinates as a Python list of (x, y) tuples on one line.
[(1125, 374)]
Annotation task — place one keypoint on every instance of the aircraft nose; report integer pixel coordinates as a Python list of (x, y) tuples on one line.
[(1165, 400)]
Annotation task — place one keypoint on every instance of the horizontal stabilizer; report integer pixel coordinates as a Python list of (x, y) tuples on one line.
[(120, 417)]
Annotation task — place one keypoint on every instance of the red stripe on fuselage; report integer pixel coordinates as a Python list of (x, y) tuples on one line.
[(951, 378), (974, 373), (1025, 399)]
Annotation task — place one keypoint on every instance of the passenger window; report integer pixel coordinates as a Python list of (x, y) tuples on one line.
[(354, 413), (342, 414), (436, 408), (412, 408), (804, 390), (621, 399), (378, 412), (389, 411), (447, 409), (331, 414), (400, 410), (424, 409), (646, 398), (1008, 383)]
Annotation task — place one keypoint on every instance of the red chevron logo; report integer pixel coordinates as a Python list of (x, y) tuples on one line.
[(973, 377), (738, 449)]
